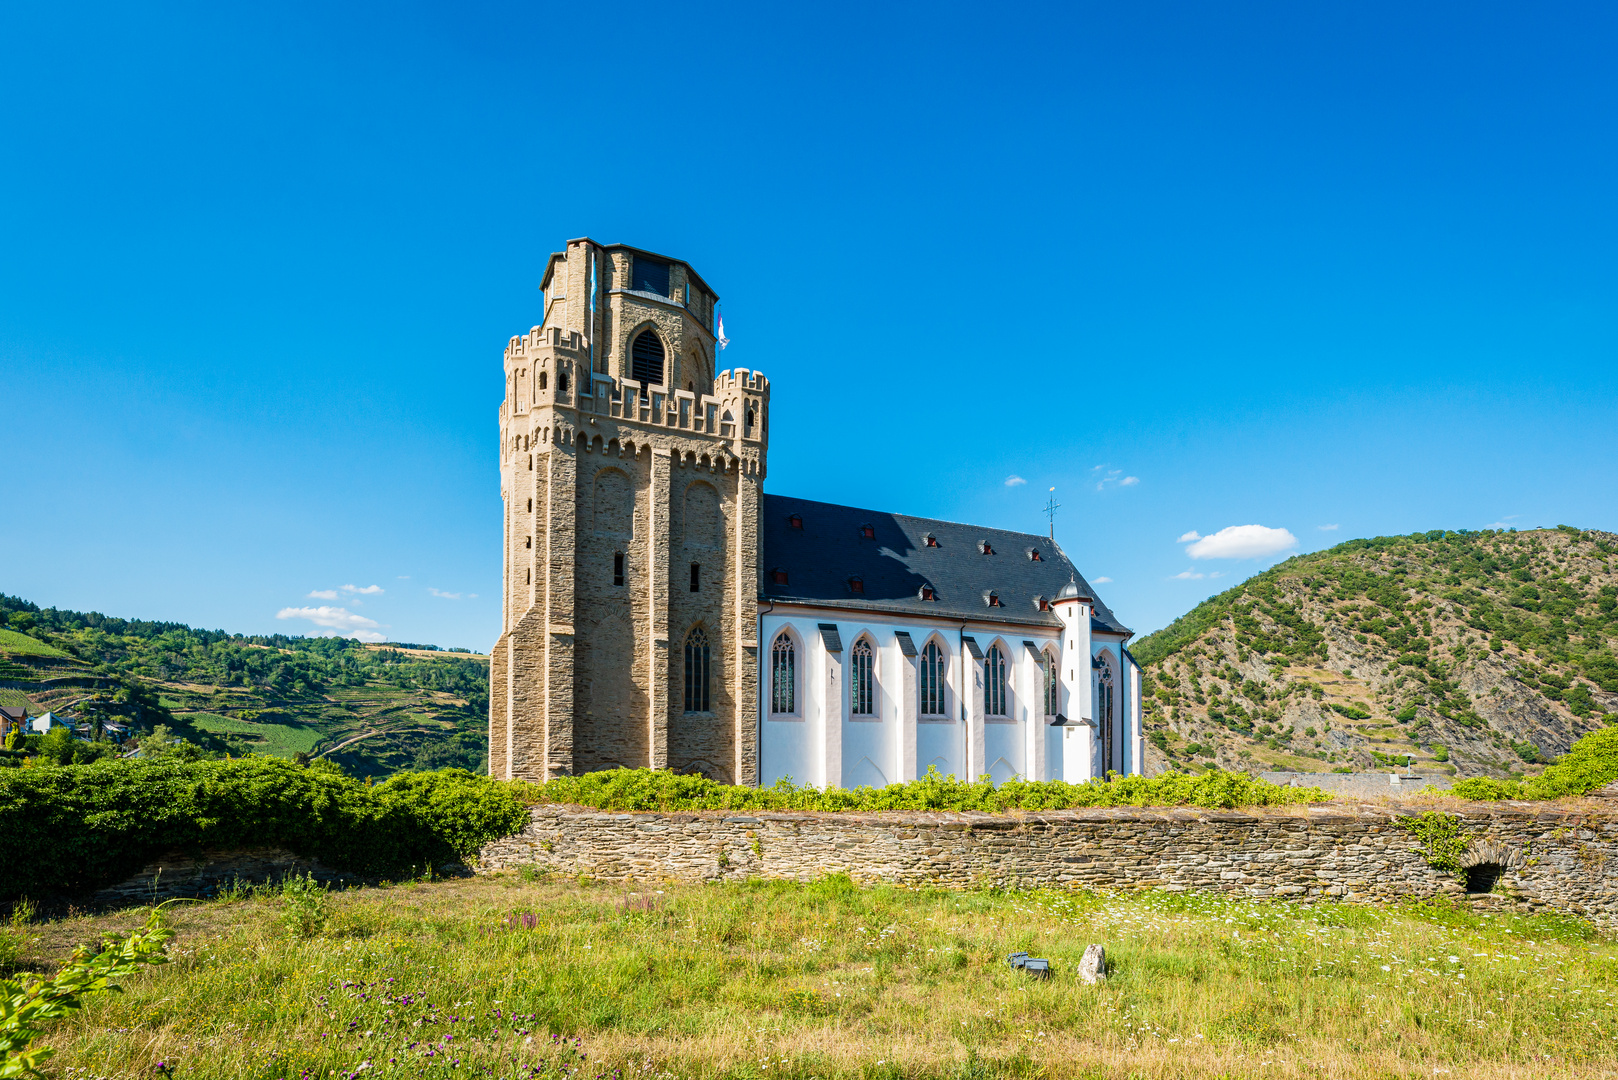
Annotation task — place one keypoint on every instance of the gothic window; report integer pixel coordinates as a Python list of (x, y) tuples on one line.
[(783, 676), (862, 689), (994, 678), (1047, 666), (696, 671), (647, 354), (932, 680), (1104, 715)]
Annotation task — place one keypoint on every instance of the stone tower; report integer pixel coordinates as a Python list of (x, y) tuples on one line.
[(631, 476)]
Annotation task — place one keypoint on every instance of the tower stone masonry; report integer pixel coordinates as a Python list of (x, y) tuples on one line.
[(631, 476)]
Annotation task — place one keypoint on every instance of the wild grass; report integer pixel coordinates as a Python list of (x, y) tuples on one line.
[(513, 975)]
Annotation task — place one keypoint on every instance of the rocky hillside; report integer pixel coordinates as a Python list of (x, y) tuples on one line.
[(1481, 653)]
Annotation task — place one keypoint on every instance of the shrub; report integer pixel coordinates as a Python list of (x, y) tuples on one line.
[(657, 789), (1353, 712), (1591, 763), (78, 827), (305, 907)]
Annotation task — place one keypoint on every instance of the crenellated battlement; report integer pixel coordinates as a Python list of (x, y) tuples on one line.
[(542, 339), (741, 379)]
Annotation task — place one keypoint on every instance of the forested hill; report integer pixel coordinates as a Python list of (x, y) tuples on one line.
[(376, 709), (1486, 653)]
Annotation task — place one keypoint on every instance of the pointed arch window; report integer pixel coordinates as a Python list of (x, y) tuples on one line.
[(696, 671), (1104, 717), (647, 355), (862, 688), (994, 679), (932, 680), (783, 676), (1048, 669)]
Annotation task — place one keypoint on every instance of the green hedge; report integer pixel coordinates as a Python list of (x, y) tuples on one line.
[(1592, 762), (654, 789), (73, 828)]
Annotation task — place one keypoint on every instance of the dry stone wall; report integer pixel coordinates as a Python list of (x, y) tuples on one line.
[(1553, 858)]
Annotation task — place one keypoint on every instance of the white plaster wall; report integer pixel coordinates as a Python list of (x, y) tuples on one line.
[(797, 746)]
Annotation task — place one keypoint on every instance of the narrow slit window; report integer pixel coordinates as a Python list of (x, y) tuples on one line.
[(696, 577), (617, 568)]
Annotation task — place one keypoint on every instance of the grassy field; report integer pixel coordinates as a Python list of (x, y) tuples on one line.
[(281, 740), (22, 645), (505, 976)]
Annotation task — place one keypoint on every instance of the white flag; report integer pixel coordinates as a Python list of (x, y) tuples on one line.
[(720, 336)]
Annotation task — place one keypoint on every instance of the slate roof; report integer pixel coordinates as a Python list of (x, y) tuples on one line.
[(820, 558)]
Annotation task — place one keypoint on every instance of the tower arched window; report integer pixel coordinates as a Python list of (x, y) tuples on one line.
[(931, 680), (1048, 669), (783, 676), (994, 679), (544, 380), (647, 357), (862, 688), (696, 671)]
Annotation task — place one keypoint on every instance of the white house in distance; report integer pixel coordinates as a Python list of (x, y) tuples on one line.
[(891, 644)]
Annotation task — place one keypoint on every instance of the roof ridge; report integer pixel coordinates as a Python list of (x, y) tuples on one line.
[(915, 517)]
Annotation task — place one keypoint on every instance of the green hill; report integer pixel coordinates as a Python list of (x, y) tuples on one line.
[(1485, 653), (377, 709)]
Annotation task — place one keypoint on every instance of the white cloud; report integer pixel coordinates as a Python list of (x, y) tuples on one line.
[(1015, 481), (340, 620), (369, 590), (323, 594), (1106, 477), (446, 595), (1188, 537), (1327, 528), (1187, 575), (1101, 581), (1242, 542)]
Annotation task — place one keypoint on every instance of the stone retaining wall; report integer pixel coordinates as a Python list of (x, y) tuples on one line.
[(1556, 857)]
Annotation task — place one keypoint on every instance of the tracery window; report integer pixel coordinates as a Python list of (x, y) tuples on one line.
[(783, 676), (1104, 716), (1047, 666), (696, 671), (862, 690), (932, 680), (994, 677)]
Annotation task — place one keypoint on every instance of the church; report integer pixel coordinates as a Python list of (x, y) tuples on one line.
[(660, 610)]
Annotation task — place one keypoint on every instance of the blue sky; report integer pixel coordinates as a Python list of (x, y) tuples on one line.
[(1338, 270)]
